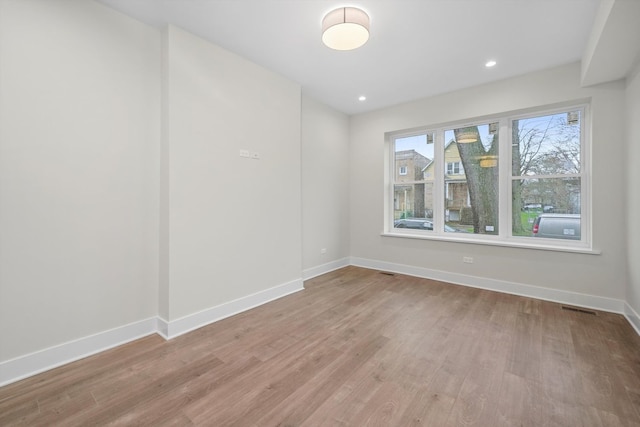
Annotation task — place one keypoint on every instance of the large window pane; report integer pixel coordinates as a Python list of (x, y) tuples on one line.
[(547, 203), (413, 183), (545, 150), (546, 145), (471, 179)]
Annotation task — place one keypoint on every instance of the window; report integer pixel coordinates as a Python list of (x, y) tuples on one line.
[(403, 170), (546, 175), (513, 179), (412, 193), (454, 168), (472, 194)]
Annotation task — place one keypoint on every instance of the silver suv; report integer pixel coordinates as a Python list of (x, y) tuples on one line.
[(557, 226)]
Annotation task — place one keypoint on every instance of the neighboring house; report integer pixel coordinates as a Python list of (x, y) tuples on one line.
[(456, 190), (408, 199)]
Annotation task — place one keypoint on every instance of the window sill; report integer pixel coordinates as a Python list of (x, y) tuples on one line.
[(505, 243)]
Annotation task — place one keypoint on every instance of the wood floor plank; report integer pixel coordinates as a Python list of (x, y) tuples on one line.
[(427, 409), (122, 403), (73, 376), (357, 347), (21, 412), (526, 355), (348, 400), (519, 402), (158, 411), (301, 404), (384, 408), (250, 407)]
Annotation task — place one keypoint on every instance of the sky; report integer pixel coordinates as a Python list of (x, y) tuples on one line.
[(419, 142), (549, 130)]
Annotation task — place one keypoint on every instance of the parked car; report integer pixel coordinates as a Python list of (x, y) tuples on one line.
[(419, 224), (557, 226), (537, 207), (532, 207)]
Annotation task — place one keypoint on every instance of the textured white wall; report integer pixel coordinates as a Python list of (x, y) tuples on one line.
[(79, 161), (632, 193), (325, 184), (599, 275), (234, 224)]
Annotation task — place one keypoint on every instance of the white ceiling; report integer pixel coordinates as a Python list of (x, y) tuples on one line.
[(417, 48)]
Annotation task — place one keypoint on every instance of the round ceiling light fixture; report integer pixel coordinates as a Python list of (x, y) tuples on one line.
[(345, 28)]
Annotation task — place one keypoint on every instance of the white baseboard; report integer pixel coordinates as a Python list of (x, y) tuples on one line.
[(34, 363), (188, 323), (163, 328), (632, 316), (548, 294), (31, 364), (312, 272)]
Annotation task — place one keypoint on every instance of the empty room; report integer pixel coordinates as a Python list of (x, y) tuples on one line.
[(319, 213)]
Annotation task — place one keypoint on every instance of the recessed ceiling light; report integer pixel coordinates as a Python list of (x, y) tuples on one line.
[(362, 98), (490, 64)]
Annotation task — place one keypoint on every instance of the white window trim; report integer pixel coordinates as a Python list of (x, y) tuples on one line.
[(504, 237), (400, 170)]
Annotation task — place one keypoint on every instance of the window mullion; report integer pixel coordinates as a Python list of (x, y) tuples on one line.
[(506, 174), (438, 191)]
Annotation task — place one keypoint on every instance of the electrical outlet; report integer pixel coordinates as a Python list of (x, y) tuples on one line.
[(245, 153), (467, 260), (323, 250)]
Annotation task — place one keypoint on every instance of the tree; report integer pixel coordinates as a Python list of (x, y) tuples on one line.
[(482, 182), (516, 192), (545, 148)]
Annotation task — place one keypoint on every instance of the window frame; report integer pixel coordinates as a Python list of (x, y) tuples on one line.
[(505, 236)]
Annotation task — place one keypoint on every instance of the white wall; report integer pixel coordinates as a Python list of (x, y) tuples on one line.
[(234, 224), (599, 275), (325, 185), (633, 195), (79, 160)]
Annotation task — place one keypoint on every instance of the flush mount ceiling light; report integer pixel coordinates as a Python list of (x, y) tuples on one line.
[(345, 28)]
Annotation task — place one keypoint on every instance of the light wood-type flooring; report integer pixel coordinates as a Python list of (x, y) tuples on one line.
[(358, 347)]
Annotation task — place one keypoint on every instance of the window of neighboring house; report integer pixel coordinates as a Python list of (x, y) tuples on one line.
[(454, 168), (516, 179), (403, 170)]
